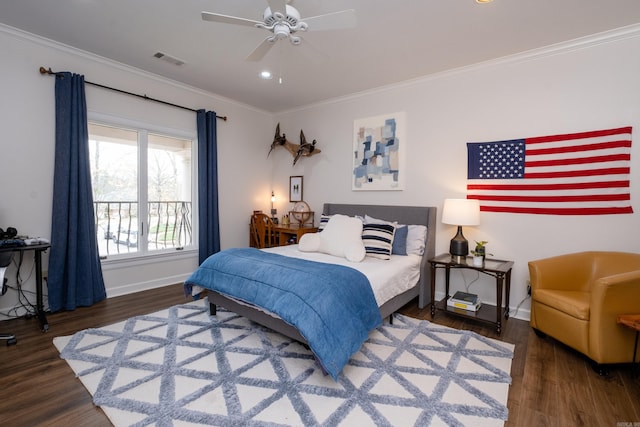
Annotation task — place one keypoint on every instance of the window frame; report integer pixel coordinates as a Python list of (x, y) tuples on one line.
[(139, 256)]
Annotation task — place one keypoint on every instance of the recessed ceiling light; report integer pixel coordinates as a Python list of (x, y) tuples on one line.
[(266, 75), (483, 1)]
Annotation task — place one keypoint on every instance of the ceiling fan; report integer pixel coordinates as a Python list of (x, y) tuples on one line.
[(284, 21)]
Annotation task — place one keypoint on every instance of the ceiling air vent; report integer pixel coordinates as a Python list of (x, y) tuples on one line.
[(169, 58)]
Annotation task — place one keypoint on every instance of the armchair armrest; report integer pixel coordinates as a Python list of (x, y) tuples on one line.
[(610, 297), (614, 295)]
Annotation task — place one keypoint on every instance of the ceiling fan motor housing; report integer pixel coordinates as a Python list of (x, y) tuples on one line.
[(290, 19)]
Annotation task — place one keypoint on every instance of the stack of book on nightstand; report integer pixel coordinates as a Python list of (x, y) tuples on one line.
[(465, 301)]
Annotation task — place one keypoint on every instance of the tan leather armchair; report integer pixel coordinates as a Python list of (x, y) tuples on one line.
[(575, 298)]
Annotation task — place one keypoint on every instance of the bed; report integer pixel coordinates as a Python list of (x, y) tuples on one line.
[(387, 305)]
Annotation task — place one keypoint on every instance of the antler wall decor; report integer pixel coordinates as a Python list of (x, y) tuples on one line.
[(305, 148)]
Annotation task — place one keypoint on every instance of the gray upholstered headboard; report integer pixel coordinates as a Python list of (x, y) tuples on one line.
[(404, 215)]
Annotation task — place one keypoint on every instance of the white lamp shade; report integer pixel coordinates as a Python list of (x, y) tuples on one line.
[(461, 212)]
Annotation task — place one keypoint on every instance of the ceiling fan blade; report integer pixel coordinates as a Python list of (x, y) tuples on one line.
[(260, 51), (311, 52), (225, 19), (332, 21), (278, 6)]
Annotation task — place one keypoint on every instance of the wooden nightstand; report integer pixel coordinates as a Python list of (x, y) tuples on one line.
[(499, 269)]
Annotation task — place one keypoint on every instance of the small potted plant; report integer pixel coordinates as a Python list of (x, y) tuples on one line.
[(479, 253)]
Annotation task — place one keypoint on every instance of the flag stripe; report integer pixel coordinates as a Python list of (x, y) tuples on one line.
[(577, 161), (581, 135), (584, 173), (584, 198), (547, 187), (560, 211), (576, 148), (577, 173)]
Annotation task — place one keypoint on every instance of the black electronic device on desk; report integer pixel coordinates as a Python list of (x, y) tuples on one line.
[(10, 243)]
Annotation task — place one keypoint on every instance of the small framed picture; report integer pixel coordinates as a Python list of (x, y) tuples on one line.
[(295, 188)]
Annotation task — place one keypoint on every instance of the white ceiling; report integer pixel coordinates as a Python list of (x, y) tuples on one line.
[(394, 41)]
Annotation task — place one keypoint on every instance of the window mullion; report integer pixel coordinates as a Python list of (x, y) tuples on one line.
[(143, 181)]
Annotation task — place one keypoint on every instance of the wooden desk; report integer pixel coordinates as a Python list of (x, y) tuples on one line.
[(285, 232)]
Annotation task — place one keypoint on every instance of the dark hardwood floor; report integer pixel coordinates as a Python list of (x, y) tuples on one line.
[(552, 384)]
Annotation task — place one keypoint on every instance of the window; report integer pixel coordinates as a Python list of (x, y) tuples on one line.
[(142, 190)]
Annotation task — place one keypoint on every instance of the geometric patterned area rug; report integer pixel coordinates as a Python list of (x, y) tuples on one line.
[(182, 367)]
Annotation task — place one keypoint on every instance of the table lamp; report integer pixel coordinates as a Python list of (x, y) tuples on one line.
[(274, 212), (460, 212)]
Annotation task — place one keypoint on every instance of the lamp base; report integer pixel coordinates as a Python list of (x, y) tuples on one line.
[(458, 259), (459, 247)]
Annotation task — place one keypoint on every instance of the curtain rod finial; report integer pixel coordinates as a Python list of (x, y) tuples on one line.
[(45, 71)]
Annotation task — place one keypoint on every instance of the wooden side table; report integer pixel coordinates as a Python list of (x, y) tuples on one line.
[(500, 269), (632, 321)]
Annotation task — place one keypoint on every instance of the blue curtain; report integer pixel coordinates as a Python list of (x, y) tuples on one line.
[(208, 219), (75, 274)]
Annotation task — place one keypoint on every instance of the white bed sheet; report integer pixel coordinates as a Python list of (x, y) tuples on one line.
[(388, 278)]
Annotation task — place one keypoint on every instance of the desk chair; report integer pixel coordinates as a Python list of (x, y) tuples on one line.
[(263, 233), (5, 260)]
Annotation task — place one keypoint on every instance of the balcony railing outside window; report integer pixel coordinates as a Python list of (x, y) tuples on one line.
[(117, 225)]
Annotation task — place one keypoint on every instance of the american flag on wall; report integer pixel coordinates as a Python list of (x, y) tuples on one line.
[(574, 174)]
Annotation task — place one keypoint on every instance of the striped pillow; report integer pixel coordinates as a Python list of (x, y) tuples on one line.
[(324, 219), (378, 239)]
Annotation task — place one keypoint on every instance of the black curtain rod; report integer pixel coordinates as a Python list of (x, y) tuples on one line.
[(52, 73)]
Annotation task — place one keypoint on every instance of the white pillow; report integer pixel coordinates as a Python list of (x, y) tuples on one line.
[(309, 242), (416, 238), (342, 236)]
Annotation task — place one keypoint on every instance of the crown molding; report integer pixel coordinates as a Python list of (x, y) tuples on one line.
[(611, 36)]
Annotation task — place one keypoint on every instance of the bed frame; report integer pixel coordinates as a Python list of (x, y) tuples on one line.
[(404, 215)]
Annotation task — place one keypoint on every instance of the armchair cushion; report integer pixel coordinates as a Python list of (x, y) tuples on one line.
[(573, 303)]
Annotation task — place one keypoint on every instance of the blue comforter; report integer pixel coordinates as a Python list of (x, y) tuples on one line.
[(332, 306)]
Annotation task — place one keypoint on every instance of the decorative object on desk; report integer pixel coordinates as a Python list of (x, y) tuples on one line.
[(303, 149), (274, 212), (465, 301), (302, 213), (295, 189), (378, 153), (285, 220), (460, 212), (182, 365)]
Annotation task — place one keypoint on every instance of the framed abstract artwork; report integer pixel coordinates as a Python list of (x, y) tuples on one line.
[(379, 153), (295, 188)]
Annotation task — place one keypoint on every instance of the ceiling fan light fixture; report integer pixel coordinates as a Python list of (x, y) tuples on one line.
[(281, 31)]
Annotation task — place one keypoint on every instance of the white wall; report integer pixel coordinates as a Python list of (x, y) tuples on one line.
[(27, 124), (576, 87)]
